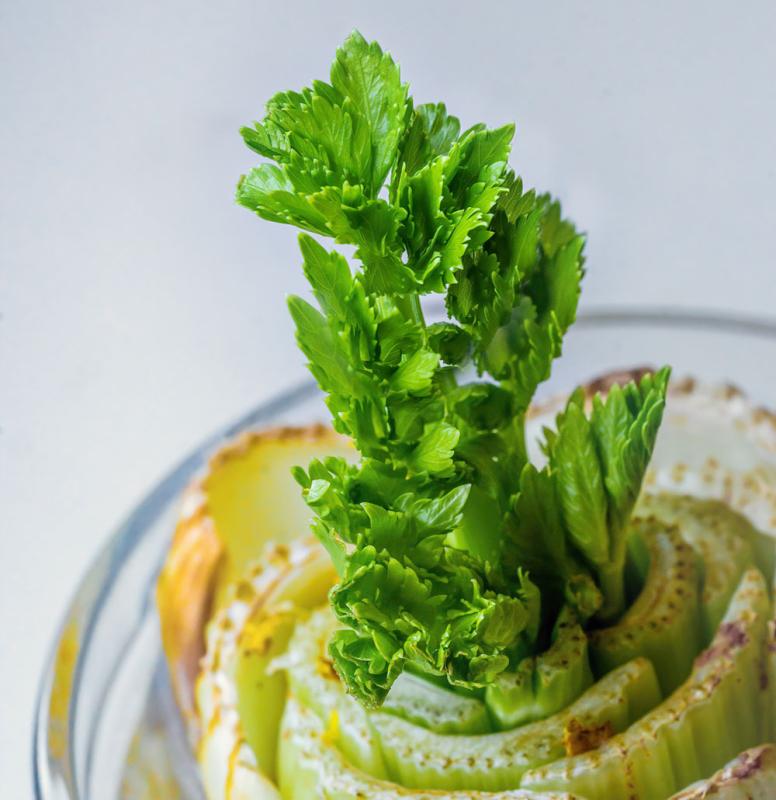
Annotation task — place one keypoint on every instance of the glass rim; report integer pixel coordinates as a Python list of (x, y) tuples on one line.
[(136, 523)]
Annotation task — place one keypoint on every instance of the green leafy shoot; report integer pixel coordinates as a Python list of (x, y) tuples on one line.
[(450, 546), (598, 463)]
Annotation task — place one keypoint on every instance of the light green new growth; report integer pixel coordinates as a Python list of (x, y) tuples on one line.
[(454, 553)]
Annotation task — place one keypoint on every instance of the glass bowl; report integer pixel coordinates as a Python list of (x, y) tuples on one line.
[(106, 725)]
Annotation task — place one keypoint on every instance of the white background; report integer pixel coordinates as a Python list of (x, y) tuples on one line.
[(141, 309)]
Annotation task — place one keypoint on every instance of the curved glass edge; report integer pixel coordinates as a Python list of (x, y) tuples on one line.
[(54, 769), (699, 320)]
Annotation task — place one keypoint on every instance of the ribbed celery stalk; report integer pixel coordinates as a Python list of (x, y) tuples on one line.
[(703, 724), (749, 776), (722, 540), (419, 758), (310, 767), (424, 703), (544, 684), (663, 622)]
